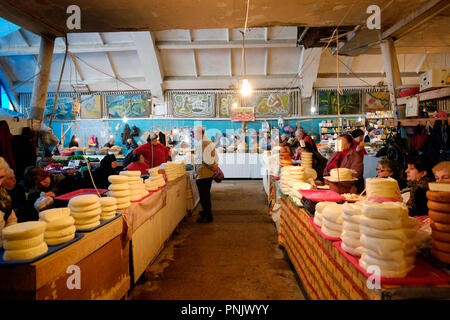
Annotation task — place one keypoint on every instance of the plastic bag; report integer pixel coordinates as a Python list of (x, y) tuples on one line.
[(43, 202)]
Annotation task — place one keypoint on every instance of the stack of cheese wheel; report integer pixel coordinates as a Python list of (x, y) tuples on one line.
[(295, 194), (387, 238), (307, 159), (60, 225), (86, 211), (382, 190), (174, 170), (24, 241), (153, 171), (155, 182), (332, 220), (351, 214), (285, 157), (136, 185), (318, 211), (439, 213), (289, 176), (109, 208), (120, 189)]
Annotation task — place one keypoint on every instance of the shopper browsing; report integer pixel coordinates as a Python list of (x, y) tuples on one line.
[(358, 136), (441, 171), (300, 134)]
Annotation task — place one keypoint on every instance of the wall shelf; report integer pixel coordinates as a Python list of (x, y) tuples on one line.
[(428, 95), (413, 122)]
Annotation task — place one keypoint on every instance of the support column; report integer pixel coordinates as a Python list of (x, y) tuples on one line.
[(40, 85), (392, 69)]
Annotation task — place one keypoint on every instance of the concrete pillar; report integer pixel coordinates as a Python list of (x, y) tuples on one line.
[(392, 69), (40, 86)]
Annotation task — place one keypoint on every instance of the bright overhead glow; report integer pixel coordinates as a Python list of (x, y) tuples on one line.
[(111, 136), (246, 89), (125, 119), (235, 105), (313, 109)]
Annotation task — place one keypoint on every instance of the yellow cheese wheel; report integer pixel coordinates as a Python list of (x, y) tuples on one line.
[(61, 223), (440, 255), (107, 217), (439, 217), (122, 200), (119, 186), (444, 227), (56, 241), (117, 179), (23, 244), (52, 214), (87, 226), (108, 213), (119, 194), (25, 254), (60, 233), (83, 200), (107, 201), (89, 220), (23, 230), (123, 205), (441, 245), (109, 208), (438, 206), (87, 214), (85, 208)]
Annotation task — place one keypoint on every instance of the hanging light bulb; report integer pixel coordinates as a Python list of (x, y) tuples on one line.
[(246, 89), (125, 119)]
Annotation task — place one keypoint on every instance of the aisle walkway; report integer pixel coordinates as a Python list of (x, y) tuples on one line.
[(235, 257)]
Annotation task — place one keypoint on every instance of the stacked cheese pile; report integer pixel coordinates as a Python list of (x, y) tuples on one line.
[(60, 225), (382, 190), (439, 213), (155, 182), (136, 185), (387, 238), (318, 211), (24, 241), (120, 189), (289, 176), (351, 213), (341, 174), (332, 220), (153, 171), (109, 207), (86, 211), (285, 157), (295, 194), (174, 170), (307, 159)]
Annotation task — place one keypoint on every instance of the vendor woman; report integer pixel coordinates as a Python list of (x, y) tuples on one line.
[(154, 152), (347, 158), (138, 164)]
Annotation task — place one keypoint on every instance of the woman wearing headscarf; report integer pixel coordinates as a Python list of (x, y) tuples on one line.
[(7, 214), (108, 166)]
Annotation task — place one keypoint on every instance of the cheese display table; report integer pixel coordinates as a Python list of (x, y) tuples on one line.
[(326, 273), (102, 257), (241, 165), (158, 216)]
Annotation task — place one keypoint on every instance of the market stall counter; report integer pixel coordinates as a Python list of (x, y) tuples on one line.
[(327, 273), (99, 258)]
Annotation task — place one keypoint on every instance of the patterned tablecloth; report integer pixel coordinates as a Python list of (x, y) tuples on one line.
[(326, 273)]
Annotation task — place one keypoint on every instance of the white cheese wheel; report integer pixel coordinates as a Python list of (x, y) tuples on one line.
[(122, 200), (392, 255), (331, 225), (352, 209), (384, 246), (318, 219), (25, 254), (87, 226), (123, 205), (52, 214), (86, 214), (400, 234), (109, 208), (61, 223), (351, 242), (387, 273), (351, 234), (118, 194), (389, 264), (119, 186), (60, 233), (351, 219), (392, 211), (350, 226), (90, 207), (107, 201), (107, 217), (135, 180), (61, 240), (380, 224), (131, 173), (23, 230), (321, 205), (23, 244), (116, 179), (350, 249), (438, 186), (83, 200), (330, 233), (333, 213)]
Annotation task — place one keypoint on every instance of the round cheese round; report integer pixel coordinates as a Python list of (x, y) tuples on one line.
[(444, 227), (391, 255), (438, 206), (61, 223), (386, 210), (116, 179), (441, 255), (351, 234), (351, 209), (118, 186), (351, 242), (389, 264), (403, 234), (330, 233), (441, 245), (23, 230), (122, 200), (108, 201), (384, 246), (119, 194), (86, 214), (333, 213), (87, 226), (136, 197), (90, 207), (109, 208), (25, 254), (441, 236), (380, 224), (350, 226), (438, 196), (440, 217), (132, 173), (350, 250), (318, 219), (107, 217), (88, 220), (23, 244), (123, 205), (331, 225), (108, 213), (387, 273), (135, 180), (61, 240), (351, 219), (60, 233), (83, 200), (52, 214), (321, 205)]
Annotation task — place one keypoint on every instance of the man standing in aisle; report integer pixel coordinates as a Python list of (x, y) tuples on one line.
[(154, 152), (300, 134), (205, 166), (358, 136)]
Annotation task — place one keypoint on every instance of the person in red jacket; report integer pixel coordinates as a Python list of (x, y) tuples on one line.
[(138, 164), (154, 152), (358, 136)]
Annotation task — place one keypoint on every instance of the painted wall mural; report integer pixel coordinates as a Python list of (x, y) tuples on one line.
[(349, 102), (226, 102), (193, 105), (91, 106), (63, 109), (132, 106), (376, 101)]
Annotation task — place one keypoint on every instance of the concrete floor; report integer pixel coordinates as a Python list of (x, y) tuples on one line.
[(234, 257)]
